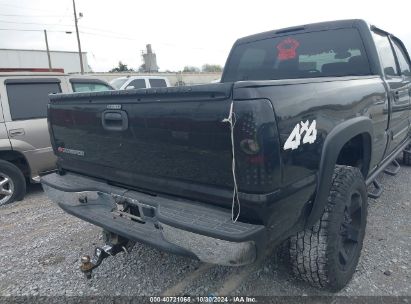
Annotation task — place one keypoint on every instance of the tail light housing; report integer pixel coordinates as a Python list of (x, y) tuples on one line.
[(257, 150)]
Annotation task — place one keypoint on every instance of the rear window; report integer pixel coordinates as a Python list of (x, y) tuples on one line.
[(118, 83), (89, 87), (316, 54), (157, 83), (30, 100), (137, 84)]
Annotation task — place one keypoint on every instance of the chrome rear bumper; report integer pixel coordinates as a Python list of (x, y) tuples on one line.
[(179, 227)]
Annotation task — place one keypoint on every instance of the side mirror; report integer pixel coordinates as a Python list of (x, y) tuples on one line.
[(130, 88)]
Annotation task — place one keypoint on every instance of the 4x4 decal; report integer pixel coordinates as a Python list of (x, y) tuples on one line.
[(294, 140)]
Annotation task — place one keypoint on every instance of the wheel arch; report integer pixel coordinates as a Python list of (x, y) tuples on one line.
[(332, 147), (17, 159)]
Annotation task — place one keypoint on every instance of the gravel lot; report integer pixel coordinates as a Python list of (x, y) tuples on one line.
[(41, 245)]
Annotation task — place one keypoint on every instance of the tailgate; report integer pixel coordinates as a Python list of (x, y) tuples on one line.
[(146, 138)]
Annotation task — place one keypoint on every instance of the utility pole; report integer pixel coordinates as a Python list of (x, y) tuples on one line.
[(48, 50), (78, 38)]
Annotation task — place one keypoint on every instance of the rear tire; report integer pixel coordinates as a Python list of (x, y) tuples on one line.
[(12, 183), (326, 255)]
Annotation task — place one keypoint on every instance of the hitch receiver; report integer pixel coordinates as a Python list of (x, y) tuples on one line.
[(100, 253)]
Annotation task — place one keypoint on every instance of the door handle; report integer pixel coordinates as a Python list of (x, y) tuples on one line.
[(16, 132), (379, 101), (113, 120)]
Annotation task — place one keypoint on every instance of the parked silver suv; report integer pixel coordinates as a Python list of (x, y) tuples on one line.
[(25, 149)]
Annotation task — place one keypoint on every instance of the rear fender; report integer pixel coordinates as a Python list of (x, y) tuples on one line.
[(333, 144)]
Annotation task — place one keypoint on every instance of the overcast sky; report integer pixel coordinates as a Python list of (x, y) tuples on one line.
[(182, 32)]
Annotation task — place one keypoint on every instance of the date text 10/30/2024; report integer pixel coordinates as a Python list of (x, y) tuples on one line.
[(197, 299)]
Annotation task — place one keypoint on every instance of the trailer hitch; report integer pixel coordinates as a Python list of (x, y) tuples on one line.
[(100, 253)]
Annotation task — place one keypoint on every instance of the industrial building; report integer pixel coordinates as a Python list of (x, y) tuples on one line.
[(16, 59), (150, 60)]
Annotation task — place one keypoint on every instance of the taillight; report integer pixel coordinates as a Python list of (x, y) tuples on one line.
[(257, 146)]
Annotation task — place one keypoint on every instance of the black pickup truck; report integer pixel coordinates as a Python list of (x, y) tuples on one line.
[(282, 150)]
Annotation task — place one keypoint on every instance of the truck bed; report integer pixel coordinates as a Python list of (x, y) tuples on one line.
[(174, 140)]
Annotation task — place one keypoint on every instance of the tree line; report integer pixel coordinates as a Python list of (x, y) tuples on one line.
[(122, 67)]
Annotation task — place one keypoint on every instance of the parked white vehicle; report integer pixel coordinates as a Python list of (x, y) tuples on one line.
[(25, 148), (139, 82)]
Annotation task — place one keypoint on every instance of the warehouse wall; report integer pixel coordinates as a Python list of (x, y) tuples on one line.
[(69, 61)]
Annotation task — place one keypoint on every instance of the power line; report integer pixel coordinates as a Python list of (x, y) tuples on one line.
[(101, 30), (111, 36), (30, 30), (33, 16), (70, 25), (35, 23), (27, 8), (87, 33)]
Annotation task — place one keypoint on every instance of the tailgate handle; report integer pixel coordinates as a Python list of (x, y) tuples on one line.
[(113, 120)]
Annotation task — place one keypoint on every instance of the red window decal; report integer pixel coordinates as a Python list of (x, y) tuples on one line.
[(287, 49)]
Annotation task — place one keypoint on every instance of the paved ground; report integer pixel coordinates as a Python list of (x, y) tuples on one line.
[(40, 247)]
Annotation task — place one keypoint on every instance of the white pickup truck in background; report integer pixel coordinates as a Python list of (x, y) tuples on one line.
[(139, 82)]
